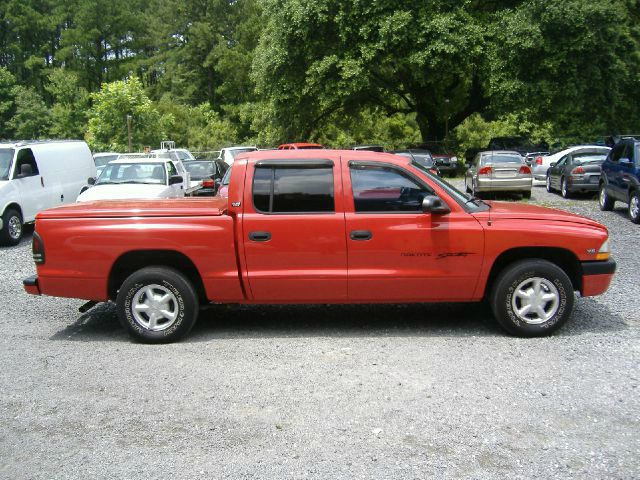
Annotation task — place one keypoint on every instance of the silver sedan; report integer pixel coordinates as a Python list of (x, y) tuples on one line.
[(498, 171)]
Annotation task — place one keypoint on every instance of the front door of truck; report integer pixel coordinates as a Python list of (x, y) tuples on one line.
[(398, 253), (293, 231)]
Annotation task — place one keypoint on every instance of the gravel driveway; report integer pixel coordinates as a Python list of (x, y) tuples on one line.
[(324, 391)]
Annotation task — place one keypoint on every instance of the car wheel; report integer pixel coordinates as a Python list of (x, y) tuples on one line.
[(564, 188), (532, 298), (526, 195), (466, 186), (12, 227), (606, 202), (157, 305), (634, 207), (549, 187)]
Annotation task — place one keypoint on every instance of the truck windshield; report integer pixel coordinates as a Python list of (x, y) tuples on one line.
[(467, 202), (149, 173), (6, 157)]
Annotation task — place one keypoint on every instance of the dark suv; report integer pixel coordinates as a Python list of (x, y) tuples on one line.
[(620, 179)]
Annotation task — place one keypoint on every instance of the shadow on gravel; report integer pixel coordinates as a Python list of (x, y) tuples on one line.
[(264, 321)]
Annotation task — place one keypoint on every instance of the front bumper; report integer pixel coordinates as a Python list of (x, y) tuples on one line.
[(31, 286), (596, 277)]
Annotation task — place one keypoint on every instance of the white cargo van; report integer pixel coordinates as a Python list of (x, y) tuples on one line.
[(36, 175)]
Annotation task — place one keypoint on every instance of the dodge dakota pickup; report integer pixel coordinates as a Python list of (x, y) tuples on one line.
[(320, 226)]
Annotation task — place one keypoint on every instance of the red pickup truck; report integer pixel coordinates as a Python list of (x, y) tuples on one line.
[(323, 226)]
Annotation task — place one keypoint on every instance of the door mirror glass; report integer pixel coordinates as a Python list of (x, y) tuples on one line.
[(433, 204), (175, 179), (91, 180)]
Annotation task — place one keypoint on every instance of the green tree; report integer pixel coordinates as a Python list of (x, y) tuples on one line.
[(70, 105), (31, 118), (7, 99), (107, 128)]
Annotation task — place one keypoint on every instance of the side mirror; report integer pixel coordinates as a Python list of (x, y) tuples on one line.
[(175, 179), (91, 180), (433, 204), (552, 164), (26, 170)]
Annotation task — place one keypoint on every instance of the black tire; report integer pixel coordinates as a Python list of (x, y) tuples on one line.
[(605, 201), (12, 227), (517, 277), (526, 195), (549, 188), (466, 186), (634, 207), (564, 188), (142, 288)]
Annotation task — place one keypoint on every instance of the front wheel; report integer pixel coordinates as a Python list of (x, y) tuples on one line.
[(634, 207), (12, 227), (606, 202), (157, 305), (532, 298)]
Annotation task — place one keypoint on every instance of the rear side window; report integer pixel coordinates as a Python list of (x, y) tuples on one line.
[(293, 190)]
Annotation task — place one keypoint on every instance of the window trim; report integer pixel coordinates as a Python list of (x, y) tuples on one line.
[(273, 165), (391, 166)]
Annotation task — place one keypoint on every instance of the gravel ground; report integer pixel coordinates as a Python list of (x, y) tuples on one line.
[(323, 392)]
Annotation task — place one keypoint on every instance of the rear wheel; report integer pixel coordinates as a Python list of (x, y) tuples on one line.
[(526, 195), (157, 305), (532, 298), (549, 189), (12, 227), (634, 207), (606, 202), (564, 188)]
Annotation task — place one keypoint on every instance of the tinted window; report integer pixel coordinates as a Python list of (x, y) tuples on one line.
[(385, 189), (583, 158), (617, 152), (293, 190), (25, 157), (200, 170)]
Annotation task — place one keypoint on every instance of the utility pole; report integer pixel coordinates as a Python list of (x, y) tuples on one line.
[(129, 117)]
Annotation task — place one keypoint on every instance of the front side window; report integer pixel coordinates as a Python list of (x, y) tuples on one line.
[(6, 156), (25, 157), (293, 189), (385, 189)]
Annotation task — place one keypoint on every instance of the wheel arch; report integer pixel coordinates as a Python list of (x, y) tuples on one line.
[(563, 258), (15, 206), (132, 261)]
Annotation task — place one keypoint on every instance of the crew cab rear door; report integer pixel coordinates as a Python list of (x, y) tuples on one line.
[(294, 231), (396, 252)]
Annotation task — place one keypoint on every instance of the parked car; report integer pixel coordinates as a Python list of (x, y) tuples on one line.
[(169, 146), (163, 155), (299, 146), (620, 178), (578, 171), (228, 154), (329, 227), (540, 165), (102, 158), (36, 175), (530, 157), (444, 158), (498, 171), (205, 175), (136, 179), (223, 189), (421, 156), (370, 148)]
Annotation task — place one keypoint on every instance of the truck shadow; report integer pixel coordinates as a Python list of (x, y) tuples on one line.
[(265, 321)]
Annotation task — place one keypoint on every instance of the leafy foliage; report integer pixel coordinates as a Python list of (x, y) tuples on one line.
[(31, 119)]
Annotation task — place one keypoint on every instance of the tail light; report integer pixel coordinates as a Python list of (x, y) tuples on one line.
[(538, 161), (524, 169), (433, 171), (577, 171), (484, 171), (37, 249), (208, 183)]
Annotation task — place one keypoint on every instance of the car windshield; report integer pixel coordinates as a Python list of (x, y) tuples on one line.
[(6, 156), (237, 151), (589, 158), (143, 173), (501, 158), (200, 170), (468, 203), (423, 159)]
